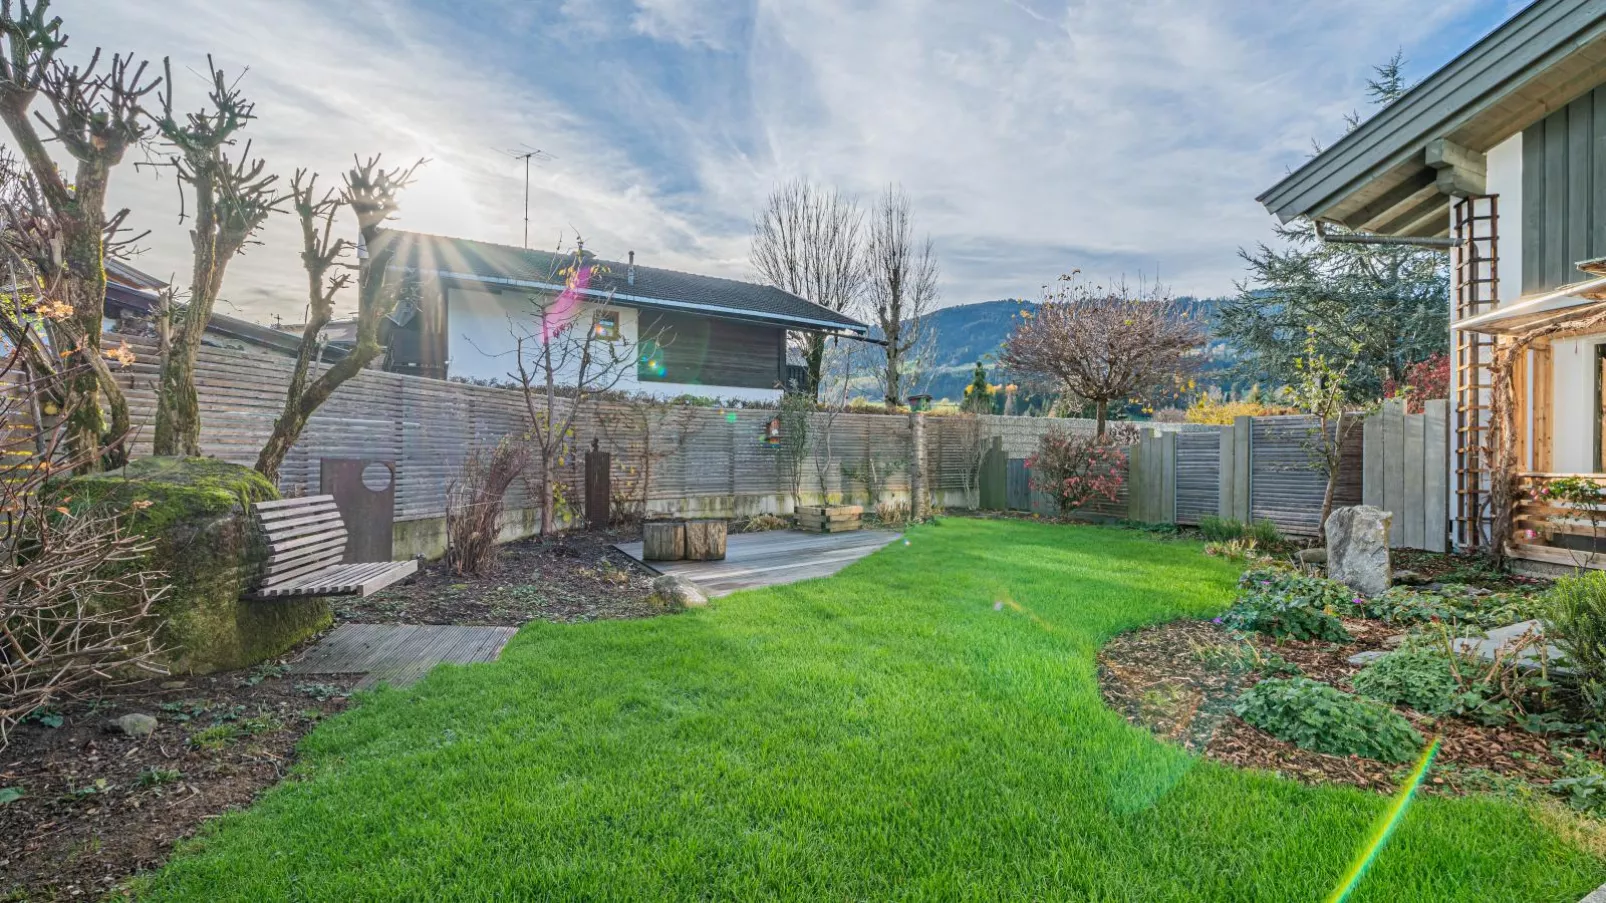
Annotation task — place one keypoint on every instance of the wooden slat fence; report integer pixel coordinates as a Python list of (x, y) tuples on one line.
[(1406, 471)]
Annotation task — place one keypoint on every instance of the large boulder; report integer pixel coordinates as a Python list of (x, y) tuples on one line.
[(195, 512), (1358, 549)]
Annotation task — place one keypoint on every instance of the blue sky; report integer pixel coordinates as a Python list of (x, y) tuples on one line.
[(1033, 136)]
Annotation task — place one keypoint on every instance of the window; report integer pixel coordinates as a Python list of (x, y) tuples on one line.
[(605, 326)]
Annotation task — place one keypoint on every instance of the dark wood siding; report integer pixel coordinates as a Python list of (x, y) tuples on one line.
[(706, 352), (1564, 192)]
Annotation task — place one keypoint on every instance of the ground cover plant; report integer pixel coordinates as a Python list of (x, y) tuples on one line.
[(1284, 603), (925, 725)]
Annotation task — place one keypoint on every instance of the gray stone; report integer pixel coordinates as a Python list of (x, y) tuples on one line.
[(1503, 639), (1409, 578), (1358, 549), (1395, 641), (134, 724), (173, 684), (1598, 895), (678, 592), (1313, 556), (1367, 657)]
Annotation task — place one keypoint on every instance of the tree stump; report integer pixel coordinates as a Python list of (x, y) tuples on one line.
[(665, 540), (705, 540)]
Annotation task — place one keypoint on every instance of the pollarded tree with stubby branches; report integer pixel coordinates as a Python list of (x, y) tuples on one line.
[(96, 114), (232, 197), (1105, 344), (371, 193)]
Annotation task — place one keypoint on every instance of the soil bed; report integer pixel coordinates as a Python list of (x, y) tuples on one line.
[(1180, 681), (570, 577), (98, 806)]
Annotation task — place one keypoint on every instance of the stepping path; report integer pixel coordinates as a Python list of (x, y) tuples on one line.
[(400, 654), (769, 559)]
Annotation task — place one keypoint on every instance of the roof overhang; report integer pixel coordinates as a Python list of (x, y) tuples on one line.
[(1397, 172), (1538, 311), (606, 296)]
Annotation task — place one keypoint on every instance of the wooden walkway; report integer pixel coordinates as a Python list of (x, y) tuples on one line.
[(399, 654), (768, 559)]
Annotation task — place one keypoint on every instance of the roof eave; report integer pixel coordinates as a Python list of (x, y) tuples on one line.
[(713, 310), (1541, 58)]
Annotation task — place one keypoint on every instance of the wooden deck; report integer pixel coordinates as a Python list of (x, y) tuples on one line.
[(399, 654), (768, 559)]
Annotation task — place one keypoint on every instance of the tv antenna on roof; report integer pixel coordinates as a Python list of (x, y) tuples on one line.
[(527, 153)]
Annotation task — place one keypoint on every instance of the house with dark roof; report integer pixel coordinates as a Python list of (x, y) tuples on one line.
[(133, 296), (1499, 159), (709, 336)]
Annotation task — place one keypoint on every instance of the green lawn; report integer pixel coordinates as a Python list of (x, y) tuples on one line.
[(890, 733)]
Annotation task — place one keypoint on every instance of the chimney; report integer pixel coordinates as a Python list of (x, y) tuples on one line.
[(630, 274)]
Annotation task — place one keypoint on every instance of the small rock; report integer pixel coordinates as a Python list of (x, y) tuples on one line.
[(174, 684), (1313, 556), (1409, 578), (1367, 657), (678, 592), (1394, 642), (134, 724)]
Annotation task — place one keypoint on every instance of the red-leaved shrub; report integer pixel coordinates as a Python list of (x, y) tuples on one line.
[(1077, 469)]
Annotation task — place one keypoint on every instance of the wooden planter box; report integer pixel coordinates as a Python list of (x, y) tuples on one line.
[(829, 518), (683, 540)]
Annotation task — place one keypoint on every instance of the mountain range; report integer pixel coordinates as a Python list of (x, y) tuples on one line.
[(966, 333)]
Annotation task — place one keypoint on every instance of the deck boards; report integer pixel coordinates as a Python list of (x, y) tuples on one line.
[(768, 559), (400, 654)]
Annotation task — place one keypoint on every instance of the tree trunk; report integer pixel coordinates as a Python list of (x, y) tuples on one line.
[(178, 413), (1327, 501), (1102, 406), (814, 361)]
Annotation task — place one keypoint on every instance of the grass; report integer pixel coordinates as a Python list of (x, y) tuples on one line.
[(926, 725)]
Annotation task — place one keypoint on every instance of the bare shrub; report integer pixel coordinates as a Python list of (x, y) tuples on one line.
[(75, 607), (474, 503)]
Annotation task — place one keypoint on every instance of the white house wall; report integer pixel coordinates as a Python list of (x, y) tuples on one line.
[(482, 327)]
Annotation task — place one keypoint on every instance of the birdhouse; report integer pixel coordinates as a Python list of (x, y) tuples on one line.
[(772, 431)]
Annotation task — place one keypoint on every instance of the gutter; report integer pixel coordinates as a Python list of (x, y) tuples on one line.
[(1368, 238), (729, 313)]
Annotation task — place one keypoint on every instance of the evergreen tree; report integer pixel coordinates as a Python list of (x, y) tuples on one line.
[(1378, 308)]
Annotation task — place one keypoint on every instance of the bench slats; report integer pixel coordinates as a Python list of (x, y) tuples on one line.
[(285, 547), (306, 540)]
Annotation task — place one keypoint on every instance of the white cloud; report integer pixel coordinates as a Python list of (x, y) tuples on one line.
[(1035, 136)]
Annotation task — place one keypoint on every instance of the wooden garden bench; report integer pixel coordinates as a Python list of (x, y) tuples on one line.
[(306, 541)]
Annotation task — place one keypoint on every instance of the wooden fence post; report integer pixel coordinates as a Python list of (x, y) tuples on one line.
[(599, 495)]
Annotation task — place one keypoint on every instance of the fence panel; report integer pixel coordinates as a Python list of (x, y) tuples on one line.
[(1285, 488), (1198, 476), (1406, 471)]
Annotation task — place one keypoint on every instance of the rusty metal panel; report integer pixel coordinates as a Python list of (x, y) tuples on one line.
[(365, 492)]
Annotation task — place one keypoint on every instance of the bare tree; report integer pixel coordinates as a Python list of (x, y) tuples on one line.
[(565, 360), (232, 198), (806, 240), (371, 193), (96, 114), (902, 280), (1105, 344)]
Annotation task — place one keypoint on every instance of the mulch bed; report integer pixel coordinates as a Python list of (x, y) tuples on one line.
[(570, 577), (1180, 680), (98, 806)]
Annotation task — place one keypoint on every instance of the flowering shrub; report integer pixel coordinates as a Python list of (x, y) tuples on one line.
[(1289, 604), (1076, 470), (1325, 719), (1424, 381), (1209, 410)]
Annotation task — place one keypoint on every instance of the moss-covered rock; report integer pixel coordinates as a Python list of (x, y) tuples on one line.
[(196, 512)]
